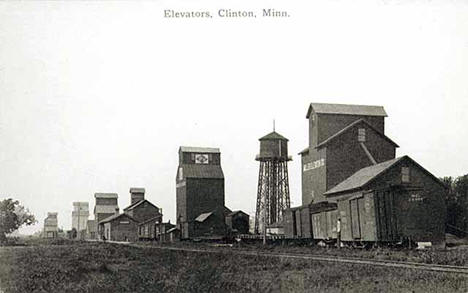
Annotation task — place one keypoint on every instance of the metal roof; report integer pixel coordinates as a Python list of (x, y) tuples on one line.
[(363, 176), (105, 195), (344, 109), (339, 133), (273, 136), (188, 149), (202, 171), (203, 217), (137, 190)]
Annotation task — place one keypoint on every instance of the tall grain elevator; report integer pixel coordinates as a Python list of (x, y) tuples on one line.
[(80, 215), (273, 184), (342, 140), (200, 192)]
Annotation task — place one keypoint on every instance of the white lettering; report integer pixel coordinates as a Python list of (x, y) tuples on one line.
[(314, 165)]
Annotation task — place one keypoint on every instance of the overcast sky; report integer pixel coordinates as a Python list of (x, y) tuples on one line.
[(98, 96)]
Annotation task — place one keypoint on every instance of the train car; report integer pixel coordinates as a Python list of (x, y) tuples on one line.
[(289, 219), (324, 216), (313, 221)]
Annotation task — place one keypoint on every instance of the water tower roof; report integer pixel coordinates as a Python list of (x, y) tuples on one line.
[(273, 136)]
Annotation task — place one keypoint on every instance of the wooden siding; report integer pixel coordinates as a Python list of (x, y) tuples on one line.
[(345, 155), (325, 125), (290, 223), (306, 223), (298, 223), (313, 180), (143, 212)]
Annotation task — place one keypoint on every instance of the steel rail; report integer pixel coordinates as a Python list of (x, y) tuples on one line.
[(337, 259)]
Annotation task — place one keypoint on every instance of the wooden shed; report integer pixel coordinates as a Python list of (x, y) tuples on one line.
[(394, 200), (238, 221), (120, 227)]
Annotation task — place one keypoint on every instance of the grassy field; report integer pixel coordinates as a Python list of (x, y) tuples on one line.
[(96, 267)]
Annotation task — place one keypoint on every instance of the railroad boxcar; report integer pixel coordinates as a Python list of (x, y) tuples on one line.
[(289, 220), (391, 201), (324, 219), (312, 221)]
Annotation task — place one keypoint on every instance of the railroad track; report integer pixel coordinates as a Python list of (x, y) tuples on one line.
[(336, 259)]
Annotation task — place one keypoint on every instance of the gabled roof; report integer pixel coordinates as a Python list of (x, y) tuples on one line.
[(202, 171), (273, 136), (236, 212), (188, 149), (203, 217), (111, 218), (350, 126), (366, 175), (343, 109), (363, 177), (105, 195), (134, 205)]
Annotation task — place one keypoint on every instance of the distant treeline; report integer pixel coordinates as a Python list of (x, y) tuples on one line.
[(457, 201)]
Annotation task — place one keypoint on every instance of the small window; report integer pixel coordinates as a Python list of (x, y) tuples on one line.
[(405, 174), (361, 134), (192, 156)]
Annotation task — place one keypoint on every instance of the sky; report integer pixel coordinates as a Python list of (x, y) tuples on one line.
[(97, 96)]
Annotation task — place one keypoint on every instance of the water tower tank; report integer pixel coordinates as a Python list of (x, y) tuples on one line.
[(273, 146)]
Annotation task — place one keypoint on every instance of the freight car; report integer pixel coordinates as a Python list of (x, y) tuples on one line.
[(311, 222)]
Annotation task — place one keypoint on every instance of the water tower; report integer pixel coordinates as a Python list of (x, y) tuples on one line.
[(273, 184)]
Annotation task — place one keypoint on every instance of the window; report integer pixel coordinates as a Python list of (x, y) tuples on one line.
[(405, 174), (361, 134)]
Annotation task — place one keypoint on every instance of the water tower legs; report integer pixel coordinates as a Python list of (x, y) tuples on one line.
[(273, 193)]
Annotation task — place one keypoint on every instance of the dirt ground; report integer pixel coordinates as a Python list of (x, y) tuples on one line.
[(98, 267)]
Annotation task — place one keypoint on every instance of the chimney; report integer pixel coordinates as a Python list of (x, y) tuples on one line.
[(136, 194), (116, 211)]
